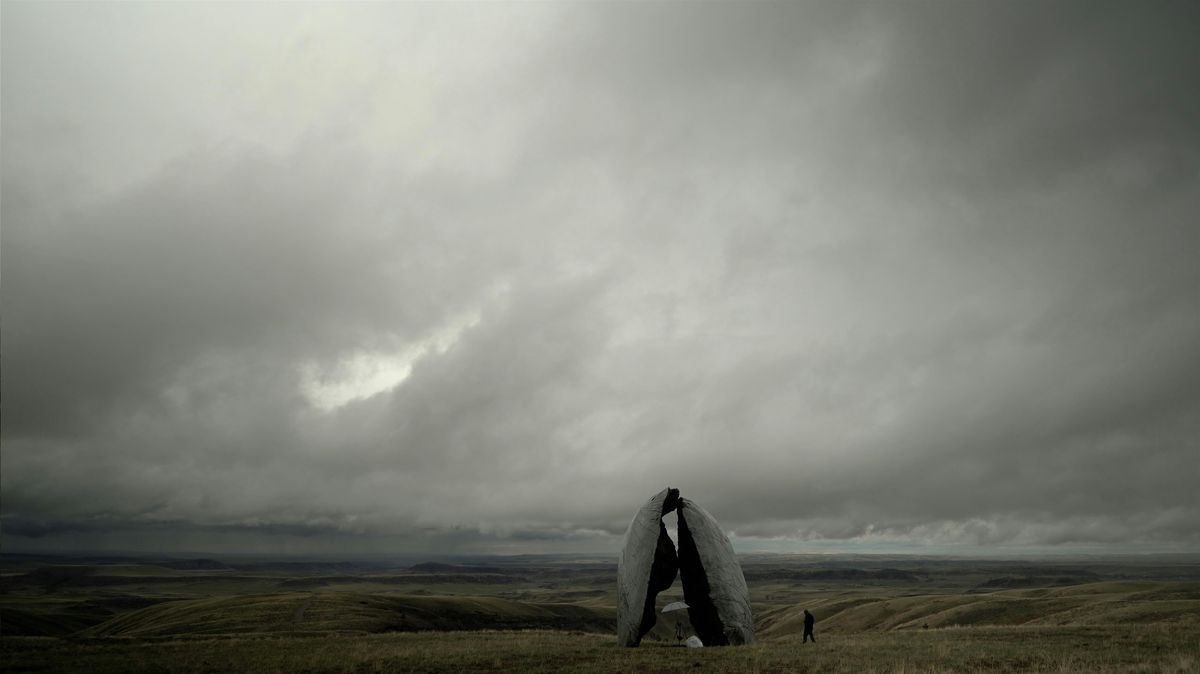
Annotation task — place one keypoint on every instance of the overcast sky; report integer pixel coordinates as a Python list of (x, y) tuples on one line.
[(308, 278)]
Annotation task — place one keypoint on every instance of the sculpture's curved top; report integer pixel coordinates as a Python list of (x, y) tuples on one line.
[(713, 584)]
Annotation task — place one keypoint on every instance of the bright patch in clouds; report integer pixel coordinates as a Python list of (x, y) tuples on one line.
[(367, 373)]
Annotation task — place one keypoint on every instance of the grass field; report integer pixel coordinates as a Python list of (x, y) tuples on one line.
[(1162, 648), (874, 615)]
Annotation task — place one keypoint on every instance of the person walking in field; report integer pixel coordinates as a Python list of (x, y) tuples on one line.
[(808, 627)]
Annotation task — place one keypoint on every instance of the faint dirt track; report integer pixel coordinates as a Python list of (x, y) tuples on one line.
[(299, 614)]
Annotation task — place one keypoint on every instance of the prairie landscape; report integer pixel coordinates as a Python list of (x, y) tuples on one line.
[(556, 613), (391, 336)]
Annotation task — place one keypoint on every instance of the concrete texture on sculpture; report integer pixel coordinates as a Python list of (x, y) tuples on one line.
[(646, 567), (713, 584)]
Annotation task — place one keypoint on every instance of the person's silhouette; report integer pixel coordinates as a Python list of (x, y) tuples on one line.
[(808, 627)]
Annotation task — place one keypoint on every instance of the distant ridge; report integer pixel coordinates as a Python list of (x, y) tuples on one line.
[(440, 567), (196, 565)]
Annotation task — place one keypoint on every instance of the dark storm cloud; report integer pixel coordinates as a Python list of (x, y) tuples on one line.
[(881, 273), (1041, 89), (218, 254)]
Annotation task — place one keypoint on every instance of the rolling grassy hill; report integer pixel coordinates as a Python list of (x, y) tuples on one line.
[(1106, 603), (1089, 604), (897, 615), (343, 612)]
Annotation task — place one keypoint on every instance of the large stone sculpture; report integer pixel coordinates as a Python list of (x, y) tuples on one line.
[(713, 585)]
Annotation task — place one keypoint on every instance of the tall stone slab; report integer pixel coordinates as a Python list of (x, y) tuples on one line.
[(647, 566), (713, 584)]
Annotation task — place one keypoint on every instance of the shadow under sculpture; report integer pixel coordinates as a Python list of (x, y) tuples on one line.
[(713, 585)]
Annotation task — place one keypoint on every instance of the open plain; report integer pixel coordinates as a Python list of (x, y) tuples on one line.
[(542, 614)]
